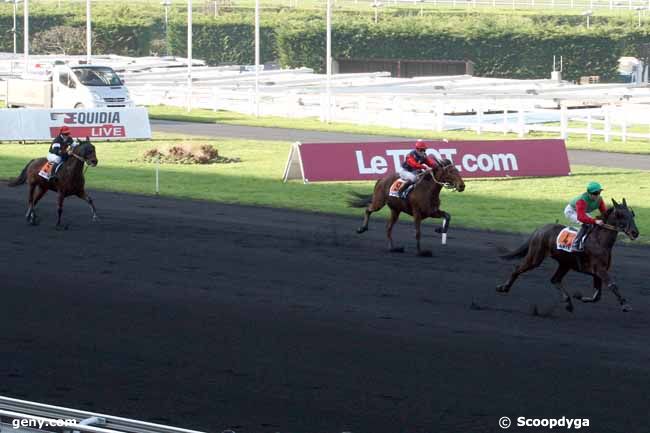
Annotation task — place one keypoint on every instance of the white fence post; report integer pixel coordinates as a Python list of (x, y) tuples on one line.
[(608, 124), (440, 117), (398, 107), (505, 120), (215, 99), (363, 105), (479, 119), (589, 128), (564, 121), (521, 123), (624, 129)]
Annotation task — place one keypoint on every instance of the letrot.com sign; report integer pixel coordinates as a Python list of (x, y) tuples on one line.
[(369, 161), (104, 124)]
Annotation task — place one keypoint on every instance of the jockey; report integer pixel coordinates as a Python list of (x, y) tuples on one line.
[(416, 161), (59, 149), (577, 211)]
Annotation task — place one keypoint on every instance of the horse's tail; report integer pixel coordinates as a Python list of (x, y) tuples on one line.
[(519, 252), (356, 199), (22, 178)]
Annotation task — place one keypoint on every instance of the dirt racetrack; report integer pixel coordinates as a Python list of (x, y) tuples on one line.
[(218, 317)]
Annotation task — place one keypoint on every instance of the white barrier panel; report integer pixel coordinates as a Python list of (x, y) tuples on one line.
[(26, 124), (9, 125)]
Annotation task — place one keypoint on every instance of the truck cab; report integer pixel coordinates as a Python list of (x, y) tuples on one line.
[(64, 86)]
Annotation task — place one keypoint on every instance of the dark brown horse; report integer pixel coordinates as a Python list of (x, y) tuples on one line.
[(595, 260), (423, 201), (70, 180)]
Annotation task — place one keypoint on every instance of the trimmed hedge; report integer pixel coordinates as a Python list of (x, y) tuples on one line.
[(228, 39)]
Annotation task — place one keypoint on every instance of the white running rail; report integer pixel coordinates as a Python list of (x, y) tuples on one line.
[(13, 409)]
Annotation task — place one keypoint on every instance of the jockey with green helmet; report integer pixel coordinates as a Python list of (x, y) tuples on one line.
[(577, 211)]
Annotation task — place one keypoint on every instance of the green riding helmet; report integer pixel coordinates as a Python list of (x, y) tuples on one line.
[(593, 187)]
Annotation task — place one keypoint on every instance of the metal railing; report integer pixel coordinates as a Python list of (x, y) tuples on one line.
[(11, 408)]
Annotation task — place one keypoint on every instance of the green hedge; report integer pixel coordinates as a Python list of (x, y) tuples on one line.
[(227, 39), (499, 49)]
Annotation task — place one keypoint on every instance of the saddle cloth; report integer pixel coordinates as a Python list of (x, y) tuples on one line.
[(46, 170), (395, 187), (566, 239)]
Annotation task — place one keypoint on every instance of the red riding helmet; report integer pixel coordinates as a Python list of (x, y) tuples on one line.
[(65, 130), (420, 145)]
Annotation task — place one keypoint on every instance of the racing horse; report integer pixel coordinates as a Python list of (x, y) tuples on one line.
[(423, 201), (595, 260), (70, 180)]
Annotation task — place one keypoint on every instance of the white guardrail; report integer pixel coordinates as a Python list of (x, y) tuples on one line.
[(502, 115), (31, 413)]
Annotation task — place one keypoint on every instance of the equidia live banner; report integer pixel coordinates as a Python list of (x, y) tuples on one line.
[(313, 162), (26, 124)]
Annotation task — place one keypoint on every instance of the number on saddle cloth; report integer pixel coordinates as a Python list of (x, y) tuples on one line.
[(565, 240), (47, 170), (394, 188)]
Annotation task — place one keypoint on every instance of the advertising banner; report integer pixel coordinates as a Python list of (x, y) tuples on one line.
[(25, 124), (314, 162)]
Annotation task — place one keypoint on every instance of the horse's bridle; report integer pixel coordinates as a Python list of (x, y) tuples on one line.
[(447, 185), (80, 158)]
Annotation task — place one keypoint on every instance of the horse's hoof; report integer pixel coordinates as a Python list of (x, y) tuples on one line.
[(501, 288), (397, 250), (425, 253), (569, 308), (577, 295), (362, 229), (95, 219), (438, 230), (625, 308)]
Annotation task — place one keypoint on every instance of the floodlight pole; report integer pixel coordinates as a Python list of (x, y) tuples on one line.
[(328, 61), (257, 58), (88, 32), (26, 39), (15, 2), (189, 55), (166, 4)]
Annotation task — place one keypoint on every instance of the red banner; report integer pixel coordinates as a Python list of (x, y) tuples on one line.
[(369, 161)]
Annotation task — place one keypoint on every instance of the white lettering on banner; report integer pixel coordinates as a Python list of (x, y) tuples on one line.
[(378, 164), (108, 131), (85, 118), (485, 162), (398, 157)]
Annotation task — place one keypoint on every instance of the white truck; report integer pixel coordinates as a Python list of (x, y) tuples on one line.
[(64, 86)]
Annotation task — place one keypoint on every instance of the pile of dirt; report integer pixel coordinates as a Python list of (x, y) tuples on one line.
[(186, 154)]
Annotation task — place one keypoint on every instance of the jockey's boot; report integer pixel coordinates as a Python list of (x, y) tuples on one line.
[(53, 175), (579, 243), (403, 188)]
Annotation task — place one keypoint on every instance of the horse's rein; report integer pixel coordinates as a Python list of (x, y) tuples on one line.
[(609, 227), (444, 184), (82, 159)]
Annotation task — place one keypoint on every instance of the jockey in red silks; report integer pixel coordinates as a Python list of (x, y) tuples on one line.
[(416, 161), (577, 211), (59, 149)]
